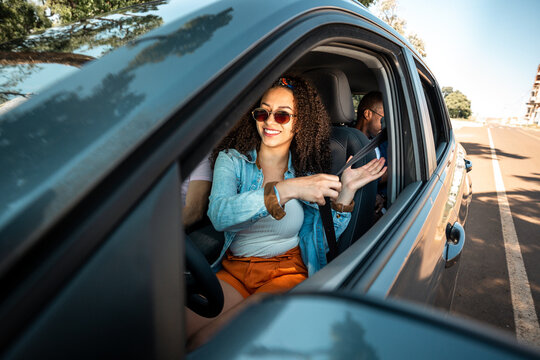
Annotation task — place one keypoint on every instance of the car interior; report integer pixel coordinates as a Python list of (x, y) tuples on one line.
[(339, 74), (342, 75)]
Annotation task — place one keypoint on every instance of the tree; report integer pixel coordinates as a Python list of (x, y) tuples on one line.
[(20, 18), (418, 43), (388, 13), (447, 90), (69, 45), (367, 3), (69, 10), (387, 10), (458, 105)]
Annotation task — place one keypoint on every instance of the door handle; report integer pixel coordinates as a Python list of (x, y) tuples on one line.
[(455, 240), (468, 165)]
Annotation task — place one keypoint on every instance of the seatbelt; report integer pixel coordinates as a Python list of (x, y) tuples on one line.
[(326, 211)]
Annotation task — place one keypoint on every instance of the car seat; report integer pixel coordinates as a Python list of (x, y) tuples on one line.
[(333, 88)]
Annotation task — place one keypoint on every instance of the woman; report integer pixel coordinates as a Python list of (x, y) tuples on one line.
[(269, 176)]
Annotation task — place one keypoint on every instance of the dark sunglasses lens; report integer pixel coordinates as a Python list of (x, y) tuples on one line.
[(282, 117), (260, 114)]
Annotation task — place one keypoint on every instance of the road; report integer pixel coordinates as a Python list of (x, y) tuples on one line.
[(483, 290)]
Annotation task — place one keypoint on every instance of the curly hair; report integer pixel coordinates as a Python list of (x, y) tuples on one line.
[(310, 147)]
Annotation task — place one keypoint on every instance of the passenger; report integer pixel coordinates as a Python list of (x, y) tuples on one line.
[(195, 191), (370, 115)]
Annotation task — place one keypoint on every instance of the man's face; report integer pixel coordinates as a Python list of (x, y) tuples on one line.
[(374, 119)]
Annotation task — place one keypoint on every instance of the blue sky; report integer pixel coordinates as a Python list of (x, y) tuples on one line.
[(487, 49)]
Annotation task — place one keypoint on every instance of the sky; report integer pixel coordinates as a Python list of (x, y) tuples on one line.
[(487, 49)]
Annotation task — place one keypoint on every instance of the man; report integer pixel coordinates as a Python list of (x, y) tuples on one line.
[(369, 115)]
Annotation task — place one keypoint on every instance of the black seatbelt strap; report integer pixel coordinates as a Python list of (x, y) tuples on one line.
[(326, 211), (328, 223), (374, 143)]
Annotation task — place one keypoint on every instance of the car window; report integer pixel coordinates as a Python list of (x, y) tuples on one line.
[(370, 71), (437, 115)]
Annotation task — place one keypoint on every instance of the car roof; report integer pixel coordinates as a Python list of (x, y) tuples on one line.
[(64, 140)]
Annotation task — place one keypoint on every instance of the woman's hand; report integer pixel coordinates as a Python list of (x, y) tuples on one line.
[(313, 188), (354, 179)]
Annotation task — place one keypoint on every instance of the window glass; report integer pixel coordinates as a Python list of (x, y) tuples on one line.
[(399, 149), (437, 115)]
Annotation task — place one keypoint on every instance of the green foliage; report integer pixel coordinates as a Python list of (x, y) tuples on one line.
[(366, 3), (458, 104), (73, 45), (104, 33), (356, 100), (447, 90), (70, 10), (19, 18)]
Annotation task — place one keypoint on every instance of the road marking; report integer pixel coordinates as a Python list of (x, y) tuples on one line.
[(525, 318)]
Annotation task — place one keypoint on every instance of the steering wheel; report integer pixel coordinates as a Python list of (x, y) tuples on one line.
[(204, 293)]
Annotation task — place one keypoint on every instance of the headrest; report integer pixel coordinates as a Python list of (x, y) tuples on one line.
[(334, 89)]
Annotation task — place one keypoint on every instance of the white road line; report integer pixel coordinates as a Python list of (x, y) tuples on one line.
[(525, 318)]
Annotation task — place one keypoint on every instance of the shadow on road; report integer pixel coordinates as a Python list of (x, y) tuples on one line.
[(535, 177), (484, 151)]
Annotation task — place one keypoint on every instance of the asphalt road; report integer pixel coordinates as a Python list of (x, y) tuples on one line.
[(483, 285)]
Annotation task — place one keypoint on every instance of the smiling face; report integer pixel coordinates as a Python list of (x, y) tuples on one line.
[(273, 134)]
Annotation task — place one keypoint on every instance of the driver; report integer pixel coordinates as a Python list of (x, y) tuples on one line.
[(269, 176)]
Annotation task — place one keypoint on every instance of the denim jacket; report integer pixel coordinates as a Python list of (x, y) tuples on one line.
[(237, 201)]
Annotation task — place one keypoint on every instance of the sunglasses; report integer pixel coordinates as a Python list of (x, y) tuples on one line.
[(281, 116)]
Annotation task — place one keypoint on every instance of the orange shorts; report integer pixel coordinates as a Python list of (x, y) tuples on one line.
[(250, 275)]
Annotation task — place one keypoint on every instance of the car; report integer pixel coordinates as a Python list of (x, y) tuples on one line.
[(91, 238)]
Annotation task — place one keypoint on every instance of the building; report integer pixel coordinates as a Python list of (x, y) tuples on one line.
[(533, 106)]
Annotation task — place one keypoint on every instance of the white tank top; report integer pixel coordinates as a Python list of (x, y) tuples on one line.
[(269, 237)]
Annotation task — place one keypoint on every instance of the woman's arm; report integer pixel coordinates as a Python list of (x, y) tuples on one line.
[(228, 210), (313, 188)]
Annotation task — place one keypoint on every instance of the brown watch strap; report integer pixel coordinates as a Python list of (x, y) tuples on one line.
[(343, 208), (271, 201)]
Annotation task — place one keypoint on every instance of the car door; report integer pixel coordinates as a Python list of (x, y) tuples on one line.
[(111, 288)]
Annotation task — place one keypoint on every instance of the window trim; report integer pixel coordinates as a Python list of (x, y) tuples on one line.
[(425, 132)]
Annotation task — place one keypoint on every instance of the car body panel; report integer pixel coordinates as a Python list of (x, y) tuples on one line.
[(340, 327), (126, 299)]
